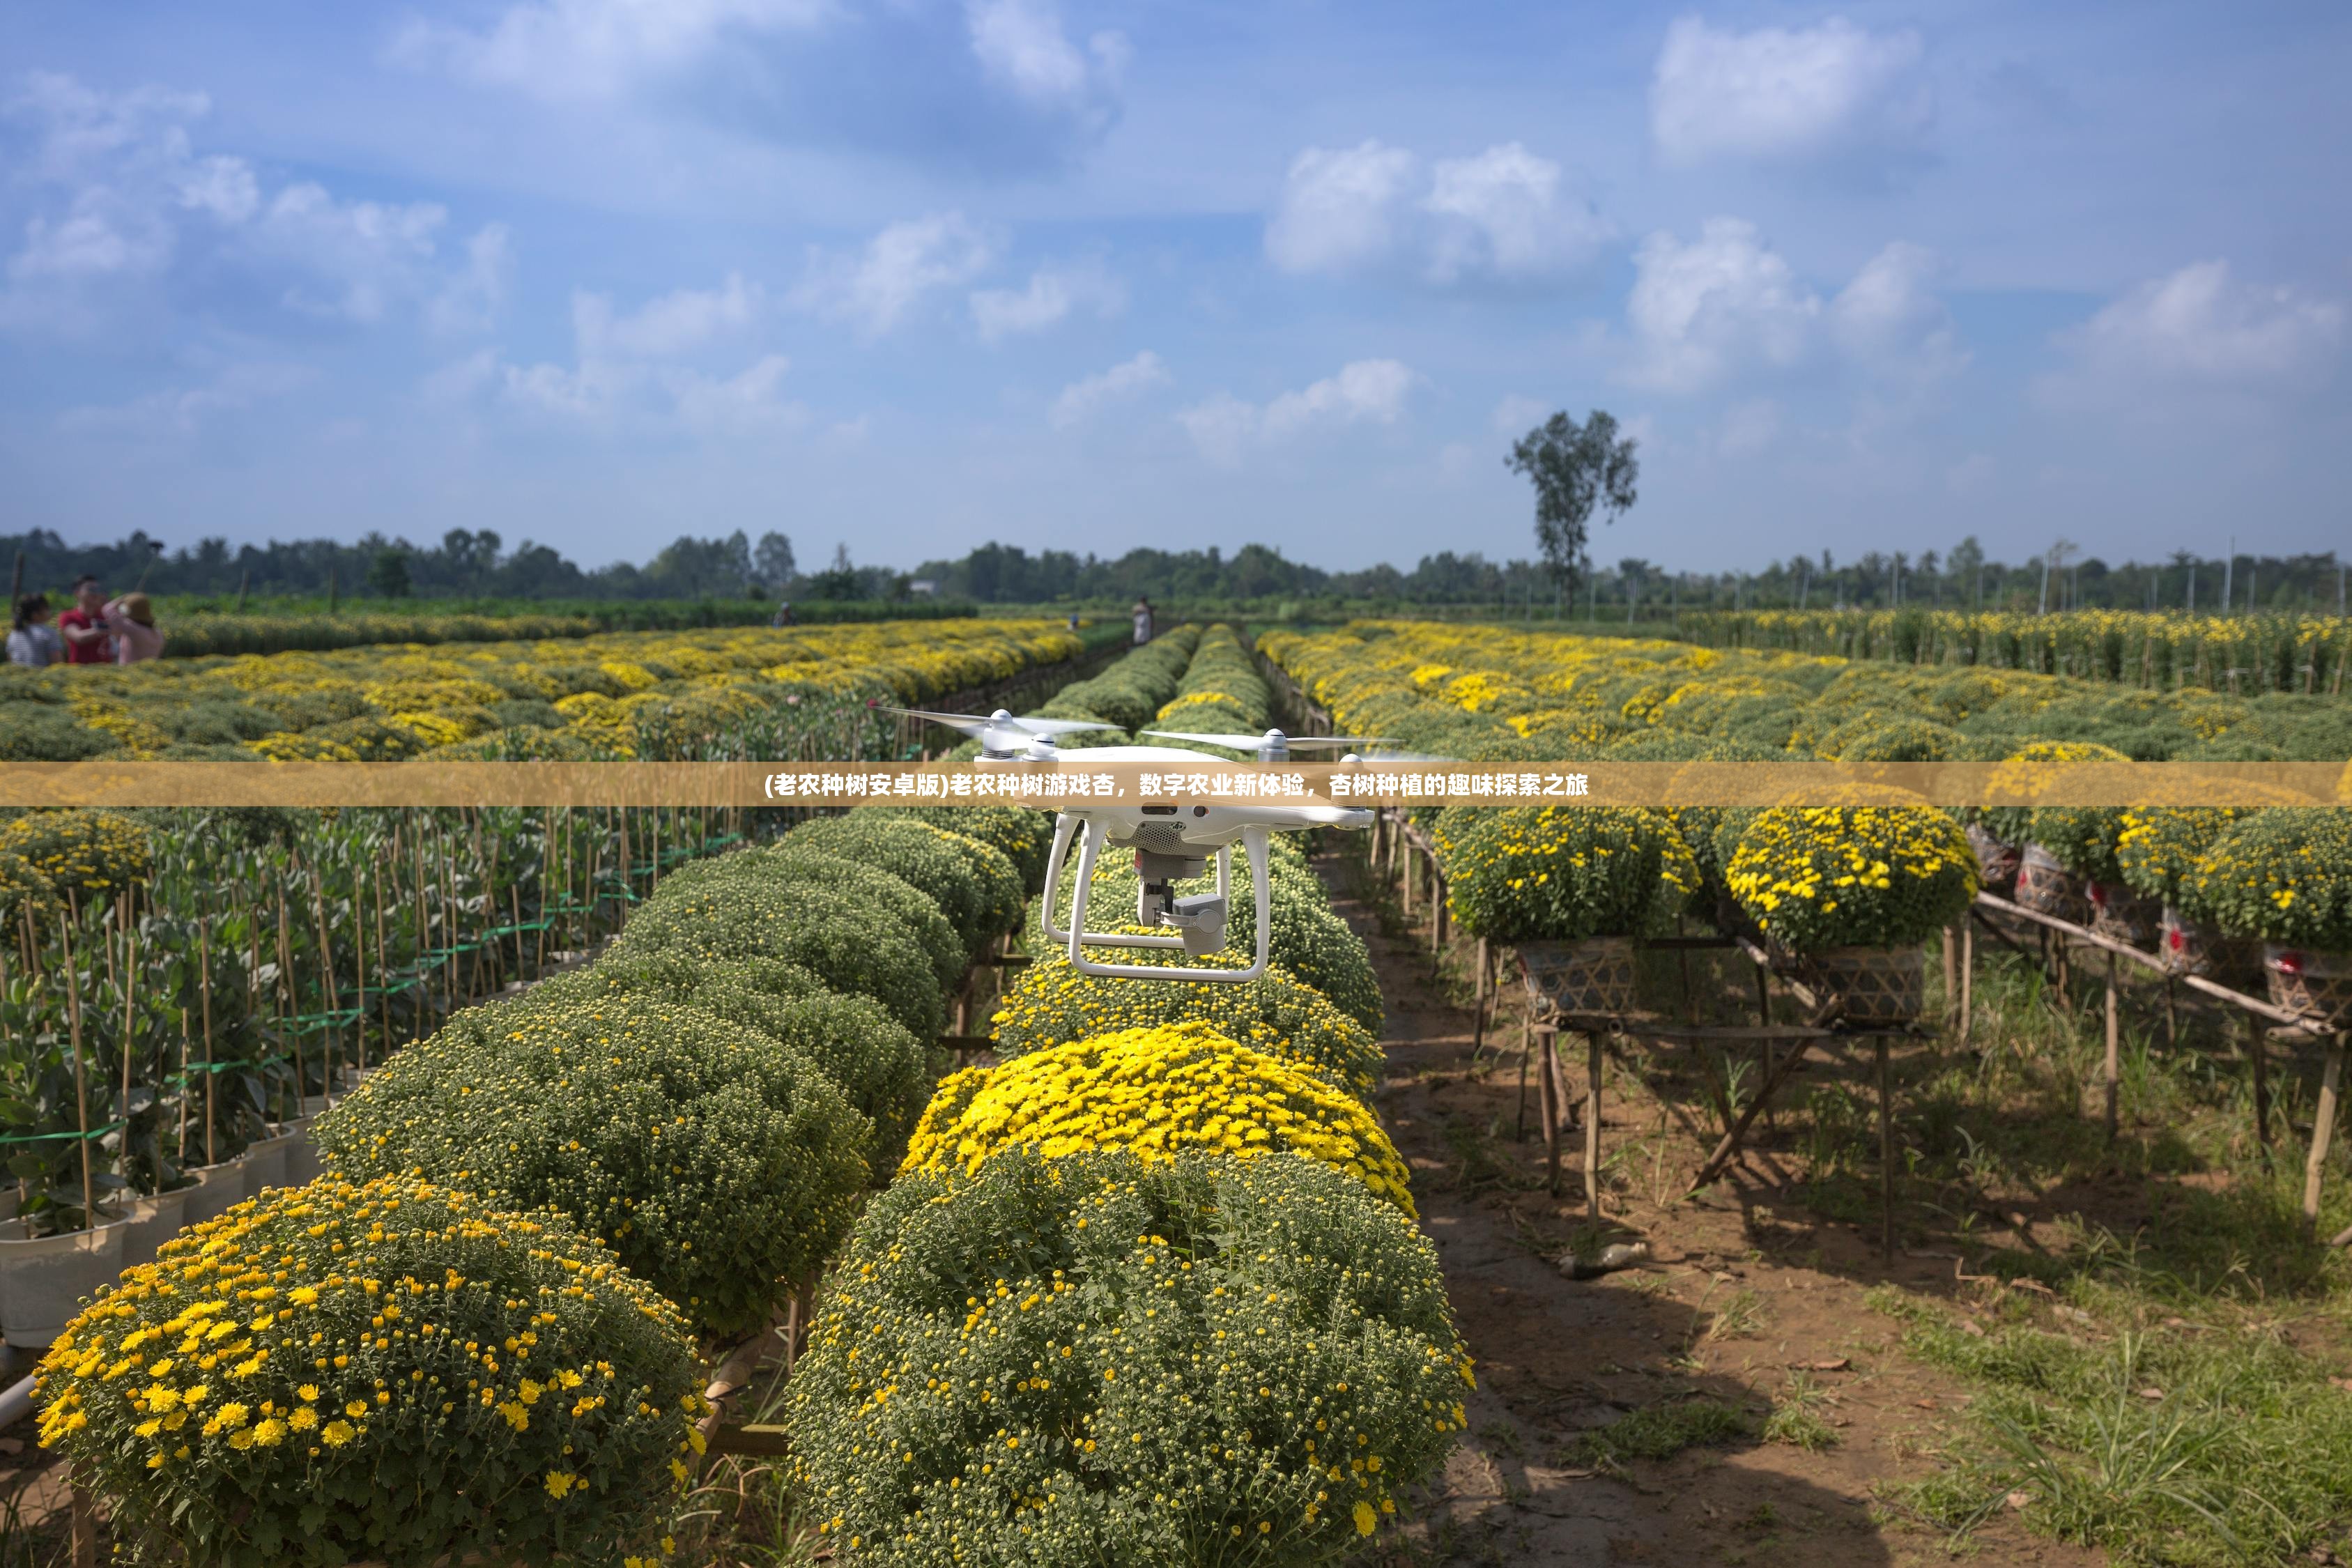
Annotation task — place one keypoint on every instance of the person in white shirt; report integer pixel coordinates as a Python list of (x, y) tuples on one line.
[(32, 641), (1142, 613)]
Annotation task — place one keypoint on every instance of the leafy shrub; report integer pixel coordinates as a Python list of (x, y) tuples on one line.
[(2083, 838), (1159, 1090), (1022, 835), (1816, 878), (1091, 1359), (48, 733), (824, 915), (2014, 824), (1546, 874), (714, 1161), (2283, 875), (395, 1370), (975, 886), (2160, 848), (1053, 1003), (880, 1068)]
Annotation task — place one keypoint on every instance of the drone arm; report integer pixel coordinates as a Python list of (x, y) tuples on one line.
[(1098, 833)]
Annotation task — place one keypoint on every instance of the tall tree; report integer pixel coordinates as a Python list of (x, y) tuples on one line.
[(772, 559), (1574, 468)]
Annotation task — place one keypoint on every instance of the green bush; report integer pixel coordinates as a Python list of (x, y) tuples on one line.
[(975, 886), (2080, 837), (1022, 835), (89, 856), (2014, 824), (1816, 878), (395, 1372), (2282, 875), (720, 1165), (883, 1071), (1547, 874), (1053, 1003), (2160, 848), (1091, 1359), (827, 916)]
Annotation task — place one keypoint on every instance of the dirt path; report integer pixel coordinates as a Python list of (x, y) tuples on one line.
[(1743, 1294)]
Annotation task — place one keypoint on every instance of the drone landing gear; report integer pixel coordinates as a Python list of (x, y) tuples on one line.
[(1200, 920)]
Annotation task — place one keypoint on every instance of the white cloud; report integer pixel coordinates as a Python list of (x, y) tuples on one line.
[(120, 196), (1725, 305), (1782, 94), (1501, 216), (1020, 45), (878, 287), (1225, 428), (1084, 397), (1052, 294), (588, 50), (675, 323), (1749, 428), (1515, 415), (178, 414), (1703, 310), (2199, 325)]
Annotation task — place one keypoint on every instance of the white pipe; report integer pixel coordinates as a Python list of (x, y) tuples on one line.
[(17, 1402)]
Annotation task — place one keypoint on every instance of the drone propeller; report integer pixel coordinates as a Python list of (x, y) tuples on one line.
[(1384, 758), (999, 731), (1272, 741)]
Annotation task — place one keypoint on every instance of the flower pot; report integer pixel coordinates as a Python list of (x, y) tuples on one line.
[(2314, 986), (152, 1221), (264, 1159), (218, 1189), (1874, 984), (44, 1279), (2047, 887), (1996, 862), (2118, 913), (1595, 975), (2187, 947)]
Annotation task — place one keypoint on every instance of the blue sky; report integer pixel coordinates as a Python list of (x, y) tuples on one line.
[(913, 274)]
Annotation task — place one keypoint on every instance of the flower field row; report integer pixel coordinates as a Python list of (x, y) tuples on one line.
[(674, 695), (2163, 652), (1829, 878)]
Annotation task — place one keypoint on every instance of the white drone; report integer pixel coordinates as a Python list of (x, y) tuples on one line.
[(1172, 842)]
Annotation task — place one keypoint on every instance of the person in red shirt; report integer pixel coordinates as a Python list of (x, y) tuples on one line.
[(84, 626)]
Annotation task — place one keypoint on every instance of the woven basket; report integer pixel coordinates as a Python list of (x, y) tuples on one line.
[(1595, 975), (2314, 986), (1874, 985), (1996, 862), (2047, 887), (2189, 948), (2116, 911)]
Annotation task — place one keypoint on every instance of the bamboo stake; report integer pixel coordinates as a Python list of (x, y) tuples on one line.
[(81, 1090), (180, 1147), (2323, 1128), (1592, 1123), (130, 983), (204, 989), (1886, 1149), (383, 967), (1967, 979), (334, 998), (288, 1003), (1548, 1103), (2114, 1065), (2257, 1047)]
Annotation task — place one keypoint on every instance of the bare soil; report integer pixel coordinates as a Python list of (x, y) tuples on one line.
[(1745, 1288)]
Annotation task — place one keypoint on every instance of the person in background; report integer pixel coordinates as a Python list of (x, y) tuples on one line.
[(132, 619), (84, 626), (1142, 613), (31, 639), (783, 615), (1073, 620)]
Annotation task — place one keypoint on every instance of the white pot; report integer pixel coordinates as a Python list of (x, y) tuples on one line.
[(151, 1222), (44, 1279), (217, 1188), (9, 1201), (265, 1160)]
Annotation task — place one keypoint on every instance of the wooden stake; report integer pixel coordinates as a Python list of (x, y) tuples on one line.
[(1951, 974), (2115, 1056), (1484, 987), (1592, 1123), (2323, 1128), (180, 1147), (1967, 979), (1886, 1149), (2257, 1047), (205, 990), (130, 985), (1548, 1094), (1526, 1050), (81, 1091)]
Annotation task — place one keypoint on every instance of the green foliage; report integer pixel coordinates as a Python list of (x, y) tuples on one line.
[(1129, 693), (881, 1069), (1549, 874), (1091, 1359), (850, 925), (1661, 1431), (2283, 875), (86, 857), (2014, 824), (395, 1372), (1053, 1003), (2080, 837), (717, 1163), (2158, 848), (974, 886), (1022, 835)]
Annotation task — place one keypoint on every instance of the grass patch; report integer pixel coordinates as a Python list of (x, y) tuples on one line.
[(1661, 1431), (1797, 1419)]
